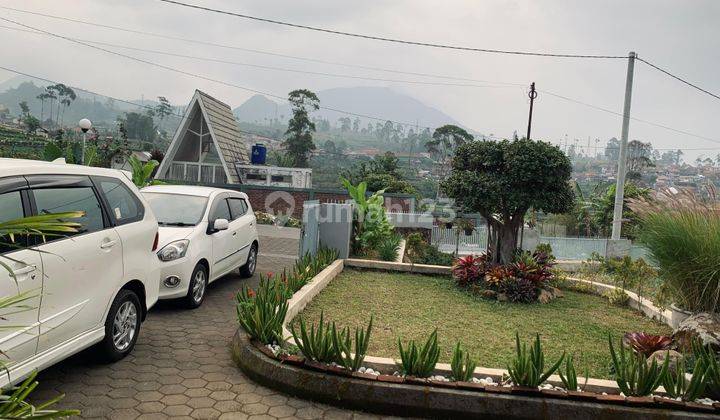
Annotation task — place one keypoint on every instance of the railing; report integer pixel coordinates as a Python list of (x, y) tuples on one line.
[(564, 248)]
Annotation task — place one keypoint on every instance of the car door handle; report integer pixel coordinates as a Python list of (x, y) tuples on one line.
[(108, 244), (25, 270), (234, 233)]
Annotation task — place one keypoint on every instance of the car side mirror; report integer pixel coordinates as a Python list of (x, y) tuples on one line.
[(220, 224)]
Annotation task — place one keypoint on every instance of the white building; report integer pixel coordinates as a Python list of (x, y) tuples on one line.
[(274, 175)]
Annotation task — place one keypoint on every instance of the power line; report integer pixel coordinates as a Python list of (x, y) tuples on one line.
[(222, 82), (284, 69), (677, 78), (88, 44), (632, 118), (387, 39), (264, 52)]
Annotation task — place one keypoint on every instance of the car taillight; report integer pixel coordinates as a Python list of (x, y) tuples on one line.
[(156, 241)]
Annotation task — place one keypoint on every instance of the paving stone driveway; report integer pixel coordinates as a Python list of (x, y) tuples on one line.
[(181, 366)]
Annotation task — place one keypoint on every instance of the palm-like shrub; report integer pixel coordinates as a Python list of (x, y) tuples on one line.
[(682, 233)]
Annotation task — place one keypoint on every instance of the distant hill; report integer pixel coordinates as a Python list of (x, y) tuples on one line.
[(372, 101)]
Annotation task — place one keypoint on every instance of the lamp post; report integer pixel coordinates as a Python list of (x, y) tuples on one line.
[(85, 125)]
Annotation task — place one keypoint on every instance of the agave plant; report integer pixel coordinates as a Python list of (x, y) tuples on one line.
[(528, 366), (419, 362), (317, 343), (262, 313), (647, 344), (342, 344), (462, 365), (634, 376), (568, 375), (14, 403), (677, 385)]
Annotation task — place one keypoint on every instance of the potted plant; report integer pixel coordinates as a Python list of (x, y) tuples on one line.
[(466, 225)]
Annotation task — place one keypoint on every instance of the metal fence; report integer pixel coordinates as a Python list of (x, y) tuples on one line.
[(564, 248)]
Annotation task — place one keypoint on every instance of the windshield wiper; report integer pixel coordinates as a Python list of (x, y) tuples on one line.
[(175, 224)]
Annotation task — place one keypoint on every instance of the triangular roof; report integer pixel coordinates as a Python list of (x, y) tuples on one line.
[(224, 130)]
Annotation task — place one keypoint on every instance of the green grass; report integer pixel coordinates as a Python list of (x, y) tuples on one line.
[(411, 306)]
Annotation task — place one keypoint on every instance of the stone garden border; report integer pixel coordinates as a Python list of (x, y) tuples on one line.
[(394, 395)]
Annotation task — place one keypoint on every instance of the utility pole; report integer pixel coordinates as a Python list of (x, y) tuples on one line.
[(532, 95), (620, 186)]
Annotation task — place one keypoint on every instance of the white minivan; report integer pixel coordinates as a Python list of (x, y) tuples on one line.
[(205, 233), (93, 287)]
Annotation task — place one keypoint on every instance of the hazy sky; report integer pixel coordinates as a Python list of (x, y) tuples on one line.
[(682, 35)]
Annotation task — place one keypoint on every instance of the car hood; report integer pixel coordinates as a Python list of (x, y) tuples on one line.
[(173, 233)]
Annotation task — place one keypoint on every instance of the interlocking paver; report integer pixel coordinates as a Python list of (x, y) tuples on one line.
[(181, 365)]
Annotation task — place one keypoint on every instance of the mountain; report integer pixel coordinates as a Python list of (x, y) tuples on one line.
[(258, 109), (371, 101)]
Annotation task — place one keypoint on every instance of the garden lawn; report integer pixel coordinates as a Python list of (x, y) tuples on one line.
[(410, 306)]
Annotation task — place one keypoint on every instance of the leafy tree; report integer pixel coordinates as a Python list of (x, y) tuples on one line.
[(445, 140), (356, 125), (24, 109), (503, 180), (31, 123), (612, 150), (299, 141), (139, 126), (639, 158), (606, 205), (163, 108), (345, 124)]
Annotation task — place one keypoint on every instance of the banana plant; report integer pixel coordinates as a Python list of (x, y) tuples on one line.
[(141, 173)]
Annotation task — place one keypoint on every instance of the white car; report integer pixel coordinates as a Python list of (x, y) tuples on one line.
[(205, 233), (90, 287)]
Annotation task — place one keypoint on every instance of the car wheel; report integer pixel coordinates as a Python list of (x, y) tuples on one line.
[(197, 287), (248, 269), (122, 326)]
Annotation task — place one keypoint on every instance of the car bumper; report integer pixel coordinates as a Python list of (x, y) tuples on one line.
[(182, 269)]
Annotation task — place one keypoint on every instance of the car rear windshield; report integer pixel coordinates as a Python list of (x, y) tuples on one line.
[(176, 209)]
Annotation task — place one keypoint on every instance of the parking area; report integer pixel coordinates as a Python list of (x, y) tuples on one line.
[(181, 366)]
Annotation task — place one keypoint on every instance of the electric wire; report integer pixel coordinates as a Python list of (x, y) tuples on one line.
[(387, 39), (678, 78)]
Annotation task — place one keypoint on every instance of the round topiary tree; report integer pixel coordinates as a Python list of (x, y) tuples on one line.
[(503, 180)]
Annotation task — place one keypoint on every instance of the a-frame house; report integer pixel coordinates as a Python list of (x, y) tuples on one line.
[(206, 145)]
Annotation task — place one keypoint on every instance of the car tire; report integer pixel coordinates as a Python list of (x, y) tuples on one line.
[(122, 326), (197, 287), (247, 270)]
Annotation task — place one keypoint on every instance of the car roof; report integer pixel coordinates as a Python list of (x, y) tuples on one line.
[(12, 167), (197, 190)]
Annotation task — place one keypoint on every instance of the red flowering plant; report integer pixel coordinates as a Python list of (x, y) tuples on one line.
[(646, 344), (469, 269), (535, 267)]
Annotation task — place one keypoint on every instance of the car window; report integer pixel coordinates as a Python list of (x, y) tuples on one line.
[(123, 204), (238, 207), (176, 209), (220, 210), (10, 209), (58, 200)]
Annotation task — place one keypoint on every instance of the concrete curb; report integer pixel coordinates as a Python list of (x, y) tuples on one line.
[(424, 400), (387, 365), (636, 302)]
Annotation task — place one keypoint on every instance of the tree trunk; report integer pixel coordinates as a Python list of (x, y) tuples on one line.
[(503, 242)]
